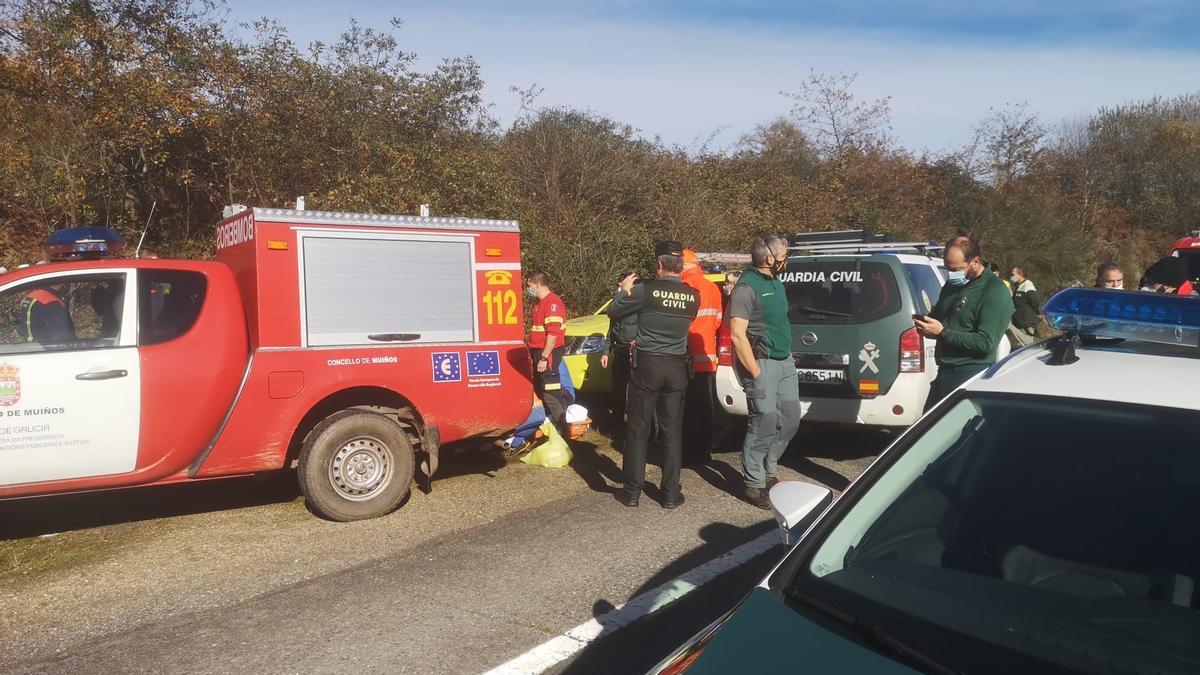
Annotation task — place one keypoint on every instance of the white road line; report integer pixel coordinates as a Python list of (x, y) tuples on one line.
[(562, 647)]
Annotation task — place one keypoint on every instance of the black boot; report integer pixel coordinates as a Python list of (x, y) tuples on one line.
[(628, 497)]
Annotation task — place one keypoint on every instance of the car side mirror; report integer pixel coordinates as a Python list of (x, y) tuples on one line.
[(793, 502)]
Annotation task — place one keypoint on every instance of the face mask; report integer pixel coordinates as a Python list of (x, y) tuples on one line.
[(956, 277), (531, 292), (1014, 279), (779, 266)]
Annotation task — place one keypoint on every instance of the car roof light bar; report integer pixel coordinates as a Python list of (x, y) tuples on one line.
[(79, 243), (1128, 315)]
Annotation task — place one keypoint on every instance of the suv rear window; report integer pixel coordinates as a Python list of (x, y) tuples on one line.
[(849, 291), (926, 286)]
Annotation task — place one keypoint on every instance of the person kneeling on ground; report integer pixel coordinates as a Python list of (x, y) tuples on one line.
[(523, 434)]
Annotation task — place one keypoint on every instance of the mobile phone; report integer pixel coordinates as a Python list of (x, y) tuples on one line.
[(920, 317)]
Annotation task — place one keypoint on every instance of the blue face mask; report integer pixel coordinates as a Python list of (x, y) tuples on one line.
[(956, 277), (531, 292)]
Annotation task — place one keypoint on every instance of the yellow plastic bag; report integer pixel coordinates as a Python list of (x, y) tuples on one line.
[(553, 454)]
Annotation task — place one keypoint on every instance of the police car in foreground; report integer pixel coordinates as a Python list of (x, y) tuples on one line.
[(1042, 518)]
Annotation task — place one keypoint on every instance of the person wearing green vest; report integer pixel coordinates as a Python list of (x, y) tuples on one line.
[(762, 343), (968, 321)]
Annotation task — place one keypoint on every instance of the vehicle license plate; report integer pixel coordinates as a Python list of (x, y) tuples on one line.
[(821, 376)]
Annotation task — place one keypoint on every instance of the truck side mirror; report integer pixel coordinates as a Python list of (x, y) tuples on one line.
[(793, 501)]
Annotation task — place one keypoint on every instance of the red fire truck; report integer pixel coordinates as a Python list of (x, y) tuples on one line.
[(348, 346)]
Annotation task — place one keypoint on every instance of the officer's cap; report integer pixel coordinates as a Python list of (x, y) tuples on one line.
[(668, 248)]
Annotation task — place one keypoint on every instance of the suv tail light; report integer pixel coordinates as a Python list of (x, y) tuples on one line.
[(912, 352), (724, 346)]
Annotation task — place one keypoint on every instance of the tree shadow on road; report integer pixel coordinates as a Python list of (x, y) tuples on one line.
[(36, 516), (59, 513)]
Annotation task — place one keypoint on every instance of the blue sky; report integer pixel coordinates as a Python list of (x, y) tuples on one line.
[(688, 70)]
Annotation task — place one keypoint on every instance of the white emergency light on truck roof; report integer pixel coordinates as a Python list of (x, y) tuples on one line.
[(1131, 315)]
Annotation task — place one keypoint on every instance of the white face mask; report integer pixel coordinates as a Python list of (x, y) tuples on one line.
[(1014, 279)]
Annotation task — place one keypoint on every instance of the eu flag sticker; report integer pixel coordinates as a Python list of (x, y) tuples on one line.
[(446, 367), (482, 364)]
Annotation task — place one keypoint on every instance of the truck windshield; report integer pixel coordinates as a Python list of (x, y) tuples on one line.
[(1192, 258), (849, 291), (1026, 532)]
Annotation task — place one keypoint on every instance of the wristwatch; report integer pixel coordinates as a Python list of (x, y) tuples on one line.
[(543, 357)]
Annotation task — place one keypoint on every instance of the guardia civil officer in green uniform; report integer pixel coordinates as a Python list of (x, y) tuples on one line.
[(968, 321), (762, 345), (661, 368)]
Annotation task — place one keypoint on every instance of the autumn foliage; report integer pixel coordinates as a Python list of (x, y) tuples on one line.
[(112, 108)]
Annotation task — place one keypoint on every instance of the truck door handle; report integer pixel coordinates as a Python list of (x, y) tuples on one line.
[(102, 375), (394, 337)]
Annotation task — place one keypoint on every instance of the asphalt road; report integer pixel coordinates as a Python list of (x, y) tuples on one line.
[(236, 576)]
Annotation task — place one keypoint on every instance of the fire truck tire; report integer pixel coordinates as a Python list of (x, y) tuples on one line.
[(355, 465)]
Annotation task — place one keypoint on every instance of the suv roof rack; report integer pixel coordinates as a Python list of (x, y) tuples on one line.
[(852, 242), (800, 239), (926, 248)]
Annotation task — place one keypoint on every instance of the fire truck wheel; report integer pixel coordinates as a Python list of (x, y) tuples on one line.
[(355, 465)]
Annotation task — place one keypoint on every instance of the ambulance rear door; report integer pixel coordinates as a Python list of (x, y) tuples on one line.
[(70, 392)]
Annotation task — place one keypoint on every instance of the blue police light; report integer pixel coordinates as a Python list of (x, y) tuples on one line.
[(83, 243), (1131, 315)]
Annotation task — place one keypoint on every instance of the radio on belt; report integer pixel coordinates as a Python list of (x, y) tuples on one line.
[(350, 346)]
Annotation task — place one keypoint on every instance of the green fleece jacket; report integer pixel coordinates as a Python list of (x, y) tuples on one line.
[(975, 316)]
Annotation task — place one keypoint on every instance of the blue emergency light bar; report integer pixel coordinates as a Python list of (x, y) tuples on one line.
[(1130, 315), (76, 243)]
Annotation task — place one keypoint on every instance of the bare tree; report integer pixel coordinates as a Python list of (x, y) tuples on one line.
[(835, 120), (1007, 144)]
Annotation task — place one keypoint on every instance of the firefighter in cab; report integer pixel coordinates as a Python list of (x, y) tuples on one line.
[(660, 370), (44, 317)]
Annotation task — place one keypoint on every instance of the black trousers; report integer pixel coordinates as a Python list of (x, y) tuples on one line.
[(548, 387), (656, 385), (699, 409), (618, 364)]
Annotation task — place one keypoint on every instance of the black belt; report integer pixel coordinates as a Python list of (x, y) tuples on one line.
[(642, 354)]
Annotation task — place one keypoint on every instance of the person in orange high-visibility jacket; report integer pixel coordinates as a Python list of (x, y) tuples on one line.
[(700, 399)]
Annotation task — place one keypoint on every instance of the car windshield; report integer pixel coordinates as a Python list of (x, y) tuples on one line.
[(1025, 532), (848, 291)]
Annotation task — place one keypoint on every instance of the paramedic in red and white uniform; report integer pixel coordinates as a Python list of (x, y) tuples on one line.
[(546, 342)]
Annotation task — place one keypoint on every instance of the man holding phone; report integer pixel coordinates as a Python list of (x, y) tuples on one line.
[(968, 321)]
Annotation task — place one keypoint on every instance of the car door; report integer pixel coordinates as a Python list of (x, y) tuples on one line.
[(70, 393)]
